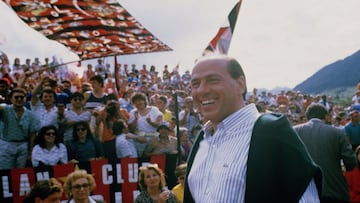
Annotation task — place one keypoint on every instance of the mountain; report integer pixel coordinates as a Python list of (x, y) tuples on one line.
[(341, 74)]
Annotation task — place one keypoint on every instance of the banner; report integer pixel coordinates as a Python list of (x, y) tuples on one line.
[(221, 42), (89, 28), (115, 182)]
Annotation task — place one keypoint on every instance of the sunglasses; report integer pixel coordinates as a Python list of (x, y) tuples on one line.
[(78, 187), (80, 129), (19, 97), (77, 99), (52, 134)]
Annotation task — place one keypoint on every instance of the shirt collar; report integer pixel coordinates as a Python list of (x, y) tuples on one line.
[(245, 114)]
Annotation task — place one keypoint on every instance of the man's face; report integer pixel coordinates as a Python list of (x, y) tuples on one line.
[(48, 99), (18, 99), (95, 84), (214, 91), (3, 88)]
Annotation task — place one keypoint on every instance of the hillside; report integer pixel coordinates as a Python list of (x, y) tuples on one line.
[(337, 76)]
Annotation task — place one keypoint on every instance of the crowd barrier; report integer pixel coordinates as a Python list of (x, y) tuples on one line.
[(115, 182)]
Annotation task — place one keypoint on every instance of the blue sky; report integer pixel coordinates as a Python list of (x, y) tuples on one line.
[(278, 43)]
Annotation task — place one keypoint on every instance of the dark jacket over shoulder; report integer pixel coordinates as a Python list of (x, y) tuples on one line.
[(279, 168)]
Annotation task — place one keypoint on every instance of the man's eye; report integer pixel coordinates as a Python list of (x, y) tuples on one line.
[(195, 84)]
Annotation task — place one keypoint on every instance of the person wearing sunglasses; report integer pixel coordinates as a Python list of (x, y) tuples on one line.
[(76, 112), (84, 146), (17, 131), (49, 150), (78, 187)]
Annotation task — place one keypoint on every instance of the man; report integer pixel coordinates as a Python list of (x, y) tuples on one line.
[(241, 155), (45, 191), (163, 144), (19, 128), (352, 129), (75, 114), (188, 117), (43, 106), (96, 97), (327, 146)]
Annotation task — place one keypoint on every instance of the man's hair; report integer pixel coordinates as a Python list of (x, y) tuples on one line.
[(235, 70), (43, 189), (163, 98), (138, 96), (232, 65), (18, 90), (99, 79), (180, 170), (118, 127), (316, 111), (48, 90)]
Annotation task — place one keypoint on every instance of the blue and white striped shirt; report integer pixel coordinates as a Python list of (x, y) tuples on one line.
[(218, 173)]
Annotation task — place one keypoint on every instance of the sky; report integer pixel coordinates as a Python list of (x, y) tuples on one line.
[(278, 43)]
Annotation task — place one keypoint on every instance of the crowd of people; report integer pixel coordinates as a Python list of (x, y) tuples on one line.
[(52, 116)]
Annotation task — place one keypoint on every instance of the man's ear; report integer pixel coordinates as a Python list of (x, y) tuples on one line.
[(241, 83)]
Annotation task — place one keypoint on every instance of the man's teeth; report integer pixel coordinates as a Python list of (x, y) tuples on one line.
[(208, 102)]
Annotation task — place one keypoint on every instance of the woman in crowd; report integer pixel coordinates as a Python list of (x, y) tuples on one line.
[(49, 150), (84, 146), (104, 121), (143, 120), (185, 142), (45, 191), (78, 187), (353, 179), (153, 186)]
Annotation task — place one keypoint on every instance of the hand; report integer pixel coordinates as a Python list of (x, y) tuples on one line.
[(164, 196), (148, 119), (136, 115)]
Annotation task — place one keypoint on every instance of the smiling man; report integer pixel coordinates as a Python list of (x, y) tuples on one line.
[(241, 155), (18, 128)]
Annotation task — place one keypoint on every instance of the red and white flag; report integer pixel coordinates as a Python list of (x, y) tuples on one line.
[(221, 42)]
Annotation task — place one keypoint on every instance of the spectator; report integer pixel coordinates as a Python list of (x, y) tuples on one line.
[(353, 179), (124, 147), (76, 113), (153, 186), (161, 104), (327, 146), (178, 190), (352, 129), (188, 117), (49, 149), (143, 120), (79, 186), (163, 144), (19, 128), (185, 143), (44, 105), (88, 73), (104, 122), (45, 191), (84, 146), (4, 91), (100, 68), (96, 97), (356, 98), (125, 100)]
